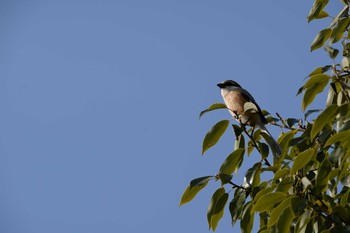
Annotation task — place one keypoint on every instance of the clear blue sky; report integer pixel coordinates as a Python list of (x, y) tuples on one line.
[(99, 128)]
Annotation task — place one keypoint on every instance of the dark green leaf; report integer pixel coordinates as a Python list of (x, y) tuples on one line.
[(232, 162), (310, 112), (264, 150), (247, 218), (225, 178), (321, 38), (240, 142), (216, 207), (332, 52), (192, 190), (339, 30), (213, 107), (292, 121), (236, 205), (252, 175), (267, 201), (323, 119), (316, 10), (301, 160), (322, 176), (284, 185), (214, 135), (238, 130)]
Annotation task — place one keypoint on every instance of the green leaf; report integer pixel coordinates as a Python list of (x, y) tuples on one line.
[(276, 212), (320, 39), (225, 178), (332, 52), (264, 150), (301, 160), (281, 173), (311, 93), (232, 162), (320, 70), (216, 207), (214, 135), (252, 176), (342, 14), (339, 30), (195, 186), (316, 10), (285, 220), (213, 107), (236, 205), (322, 176), (341, 136), (317, 78), (284, 185), (324, 119), (247, 219), (267, 201), (308, 113)]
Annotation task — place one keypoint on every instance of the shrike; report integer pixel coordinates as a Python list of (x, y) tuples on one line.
[(235, 98)]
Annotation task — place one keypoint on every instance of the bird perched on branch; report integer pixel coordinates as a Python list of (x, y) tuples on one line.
[(245, 110)]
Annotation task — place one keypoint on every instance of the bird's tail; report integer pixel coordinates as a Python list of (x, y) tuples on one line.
[(275, 147)]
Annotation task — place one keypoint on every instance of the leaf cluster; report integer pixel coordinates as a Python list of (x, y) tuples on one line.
[(307, 188)]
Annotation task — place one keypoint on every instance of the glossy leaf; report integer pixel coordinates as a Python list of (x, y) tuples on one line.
[(343, 13), (323, 119), (301, 160), (320, 39), (214, 135), (267, 201), (250, 107), (316, 10), (252, 174), (264, 150), (213, 107), (224, 178), (232, 162), (216, 207), (195, 186)]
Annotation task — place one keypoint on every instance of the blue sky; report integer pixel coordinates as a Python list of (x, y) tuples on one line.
[(100, 103)]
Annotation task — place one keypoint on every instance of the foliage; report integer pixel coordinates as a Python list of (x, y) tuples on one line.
[(308, 189)]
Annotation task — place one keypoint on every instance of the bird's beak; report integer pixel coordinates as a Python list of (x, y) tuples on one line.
[(221, 85)]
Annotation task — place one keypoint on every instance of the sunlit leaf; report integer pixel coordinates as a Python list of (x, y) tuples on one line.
[(267, 201), (323, 119), (344, 135), (342, 14), (317, 78), (250, 107), (251, 175), (311, 93), (321, 38), (232, 162), (213, 107), (214, 135), (302, 159), (316, 9), (277, 211), (281, 173), (195, 186), (285, 220)]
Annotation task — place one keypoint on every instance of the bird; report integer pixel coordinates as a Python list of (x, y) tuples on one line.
[(237, 99)]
